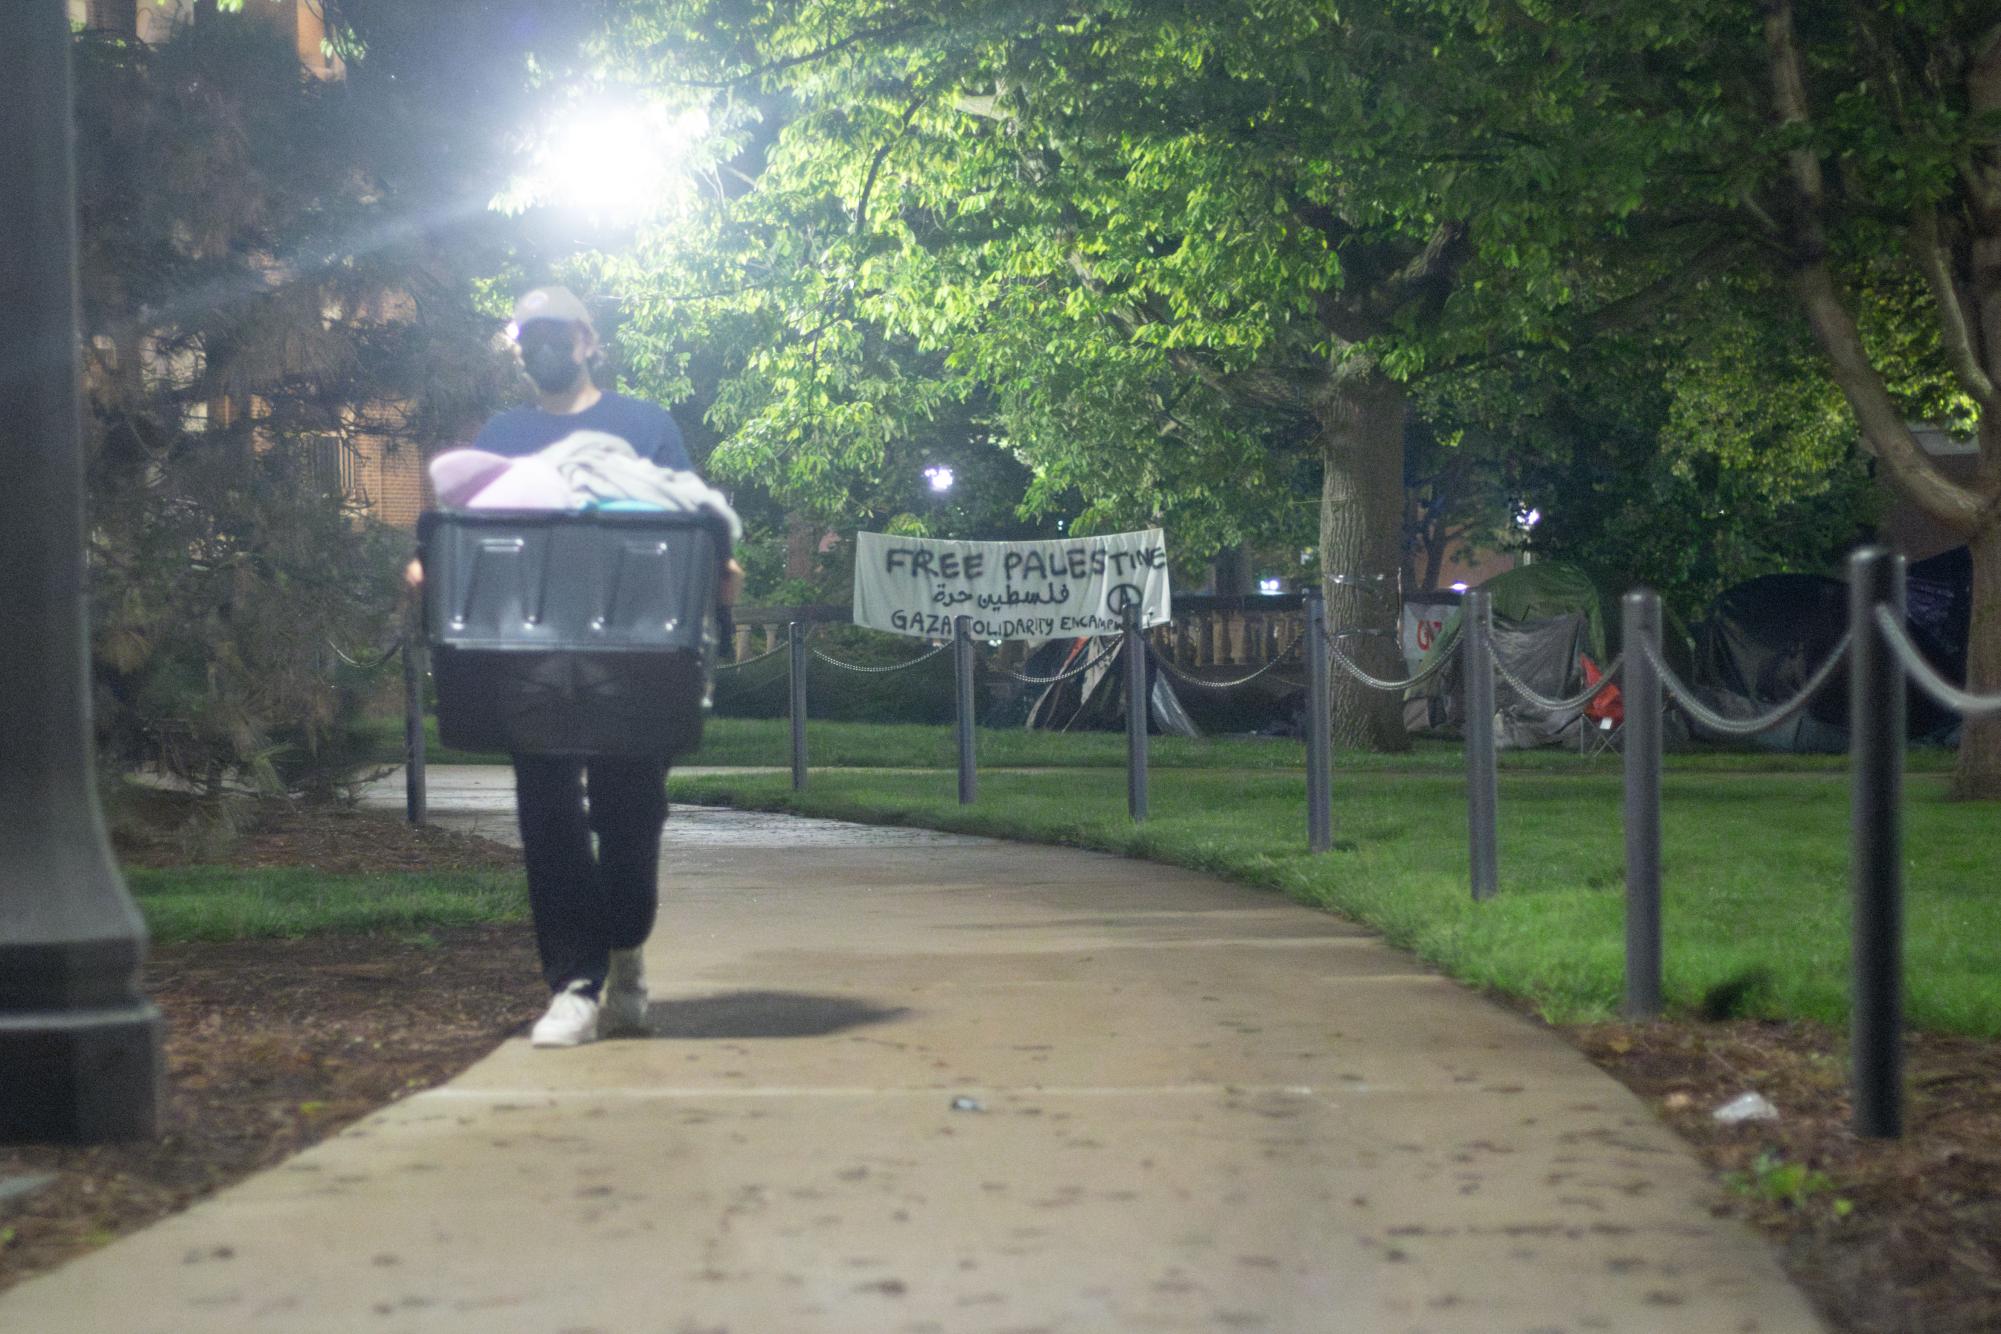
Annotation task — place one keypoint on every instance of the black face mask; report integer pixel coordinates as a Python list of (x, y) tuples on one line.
[(550, 366)]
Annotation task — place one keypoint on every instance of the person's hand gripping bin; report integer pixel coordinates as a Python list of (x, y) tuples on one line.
[(572, 633)]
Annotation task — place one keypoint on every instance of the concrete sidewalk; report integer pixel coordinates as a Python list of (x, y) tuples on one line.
[(902, 1081)]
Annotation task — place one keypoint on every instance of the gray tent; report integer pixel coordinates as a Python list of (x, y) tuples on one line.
[(1545, 654)]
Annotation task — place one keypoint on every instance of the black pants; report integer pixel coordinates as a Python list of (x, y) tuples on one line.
[(587, 905)]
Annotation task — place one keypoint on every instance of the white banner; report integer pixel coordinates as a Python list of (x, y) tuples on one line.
[(1010, 590)]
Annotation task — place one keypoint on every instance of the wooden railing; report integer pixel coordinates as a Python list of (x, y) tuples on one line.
[(1205, 632), (1230, 631)]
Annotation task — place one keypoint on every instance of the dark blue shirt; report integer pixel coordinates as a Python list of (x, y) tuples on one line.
[(649, 429)]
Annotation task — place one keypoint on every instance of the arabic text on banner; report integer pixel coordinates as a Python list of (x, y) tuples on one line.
[(1010, 590)]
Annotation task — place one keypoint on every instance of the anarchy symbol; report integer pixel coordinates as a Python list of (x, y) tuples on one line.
[(1122, 598)]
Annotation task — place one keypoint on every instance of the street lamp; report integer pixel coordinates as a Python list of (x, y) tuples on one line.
[(79, 1045), (940, 477), (613, 160)]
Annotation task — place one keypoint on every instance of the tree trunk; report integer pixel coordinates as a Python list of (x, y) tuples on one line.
[(1978, 774), (1361, 549), (1233, 571), (802, 547)]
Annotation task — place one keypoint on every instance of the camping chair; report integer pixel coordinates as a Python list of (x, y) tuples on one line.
[(1604, 717)]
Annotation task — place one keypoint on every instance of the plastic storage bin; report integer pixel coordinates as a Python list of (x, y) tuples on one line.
[(571, 633)]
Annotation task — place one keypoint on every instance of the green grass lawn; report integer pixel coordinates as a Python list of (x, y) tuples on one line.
[(218, 903), (1755, 867), (767, 742)]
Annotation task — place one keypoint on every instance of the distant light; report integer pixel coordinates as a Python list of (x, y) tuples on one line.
[(1459, 587), (1529, 518), (1270, 585), (940, 477)]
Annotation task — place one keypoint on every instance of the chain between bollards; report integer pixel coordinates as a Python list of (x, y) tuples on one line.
[(1319, 742), (1641, 689), (1136, 711), (1876, 709), (795, 635), (1482, 784), (962, 690)]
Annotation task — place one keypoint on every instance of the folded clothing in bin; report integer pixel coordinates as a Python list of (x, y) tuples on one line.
[(566, 633), (587, 470)]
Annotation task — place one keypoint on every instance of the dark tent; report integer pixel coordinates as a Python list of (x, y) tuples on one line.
[(1764, 639), (1938, 595), (1758, 646), (1094, 700), (1273, 703)]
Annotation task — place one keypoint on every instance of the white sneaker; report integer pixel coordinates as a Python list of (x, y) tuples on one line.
[(570, 1021), (625, 994)]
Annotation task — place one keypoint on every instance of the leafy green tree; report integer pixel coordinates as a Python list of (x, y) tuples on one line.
[(1179, 246)]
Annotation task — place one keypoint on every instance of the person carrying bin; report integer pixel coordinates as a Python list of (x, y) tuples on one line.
[(593, 907)]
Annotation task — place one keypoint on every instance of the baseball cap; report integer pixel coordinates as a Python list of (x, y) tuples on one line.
[(550, 303)]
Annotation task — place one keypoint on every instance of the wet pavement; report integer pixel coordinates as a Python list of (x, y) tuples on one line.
[(901, 1081)]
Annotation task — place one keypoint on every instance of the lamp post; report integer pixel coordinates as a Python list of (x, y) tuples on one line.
[(79, 1045)]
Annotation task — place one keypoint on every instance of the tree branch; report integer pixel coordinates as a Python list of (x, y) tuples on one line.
[(1789, 100), (804, 58), (1432, 267), (985, 106), (882, 155), (1982, 173), (1626, 311), (1885, 433), (1929, 249)]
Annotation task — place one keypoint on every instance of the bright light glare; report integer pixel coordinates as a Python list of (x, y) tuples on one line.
[(940, 477), (1270, 585), (1529, 518), (1459, 588), (618, 161)]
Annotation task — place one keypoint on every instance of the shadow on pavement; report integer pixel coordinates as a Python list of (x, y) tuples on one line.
[(764, 1014)]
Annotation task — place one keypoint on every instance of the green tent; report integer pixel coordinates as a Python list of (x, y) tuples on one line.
[(1537, 592)]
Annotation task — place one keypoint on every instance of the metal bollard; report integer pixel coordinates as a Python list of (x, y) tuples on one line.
[(1136, 712), (962, 680), (1319, 742), (415, 806), (1641, 689), (1876, 709), (1482, 794), (795, 634)]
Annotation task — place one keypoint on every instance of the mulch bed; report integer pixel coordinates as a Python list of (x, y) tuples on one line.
[(1888, 1236), (159, 828), (273, 1045)]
